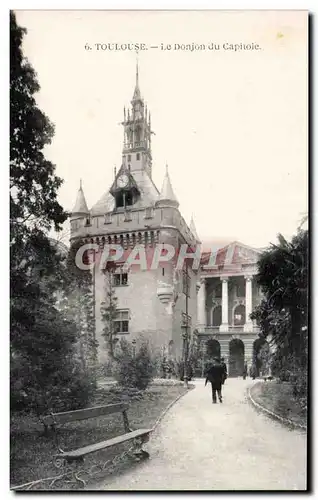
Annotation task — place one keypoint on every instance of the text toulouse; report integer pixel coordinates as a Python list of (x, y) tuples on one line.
[(190, 47)]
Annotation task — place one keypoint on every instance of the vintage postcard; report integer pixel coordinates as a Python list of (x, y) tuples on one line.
[(159, 250)]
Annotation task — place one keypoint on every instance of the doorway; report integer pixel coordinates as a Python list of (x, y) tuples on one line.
[(236, 358)]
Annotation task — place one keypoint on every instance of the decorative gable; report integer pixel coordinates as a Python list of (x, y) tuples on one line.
[(131, 181), (231, 257), (243, 254)]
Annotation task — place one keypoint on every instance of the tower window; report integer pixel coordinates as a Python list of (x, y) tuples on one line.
[(124, 199), (138, 156), (120, 278), (129, 157), (121, 322)]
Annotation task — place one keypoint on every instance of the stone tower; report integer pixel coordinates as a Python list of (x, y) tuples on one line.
[(151, 302)]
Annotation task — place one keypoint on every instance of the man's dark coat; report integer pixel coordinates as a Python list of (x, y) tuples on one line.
[(215, 375)]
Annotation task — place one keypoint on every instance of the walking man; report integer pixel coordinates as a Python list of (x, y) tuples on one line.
[(216, 376)]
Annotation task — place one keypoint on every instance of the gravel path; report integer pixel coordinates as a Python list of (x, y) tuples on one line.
[(229, 446)]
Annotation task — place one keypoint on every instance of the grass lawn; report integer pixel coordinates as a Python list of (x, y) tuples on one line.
[(31, 452), (278, 398)]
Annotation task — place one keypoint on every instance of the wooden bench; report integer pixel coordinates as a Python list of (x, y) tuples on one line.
[(139, 437)]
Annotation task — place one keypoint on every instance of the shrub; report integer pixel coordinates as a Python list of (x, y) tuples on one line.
[(64, 390), (180, 369), (134, 369), (105, 370)]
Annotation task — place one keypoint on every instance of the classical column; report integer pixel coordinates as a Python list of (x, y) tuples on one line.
[(201, 298), (248, 327), (225, 305)]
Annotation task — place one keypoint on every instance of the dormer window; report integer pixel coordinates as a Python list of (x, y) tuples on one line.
[(124, 199)]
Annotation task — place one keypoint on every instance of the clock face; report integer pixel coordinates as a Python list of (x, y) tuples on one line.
[(122, 180)]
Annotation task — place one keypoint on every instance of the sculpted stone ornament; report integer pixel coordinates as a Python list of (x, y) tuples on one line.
[(165, 292)]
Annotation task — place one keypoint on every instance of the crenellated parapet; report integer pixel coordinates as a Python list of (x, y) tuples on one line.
[(126, 239)]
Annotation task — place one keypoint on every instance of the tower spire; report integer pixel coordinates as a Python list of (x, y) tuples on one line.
[(137, 133), (137, 95), (137, 69)]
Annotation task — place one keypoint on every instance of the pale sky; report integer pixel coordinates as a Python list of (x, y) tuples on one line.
[(232, 126)]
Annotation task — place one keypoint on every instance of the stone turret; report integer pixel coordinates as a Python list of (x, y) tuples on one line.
[(167, 196)]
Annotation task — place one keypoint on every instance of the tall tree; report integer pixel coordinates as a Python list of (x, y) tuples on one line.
[(42, 337), (283, 313), (33, 189), (33, 183), (34, 208)]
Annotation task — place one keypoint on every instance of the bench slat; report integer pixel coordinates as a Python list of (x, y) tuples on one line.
[(72, 416), (104, 444)]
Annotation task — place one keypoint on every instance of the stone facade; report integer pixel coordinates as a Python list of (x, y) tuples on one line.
[(151, 302), (227, 297)]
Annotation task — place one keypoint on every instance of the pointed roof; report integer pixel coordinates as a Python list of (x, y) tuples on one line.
[(194, 230), (166, 193), (105, 204), (80, 206), (137, 95)]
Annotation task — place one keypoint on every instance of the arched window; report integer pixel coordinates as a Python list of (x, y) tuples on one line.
[(239, 315)]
